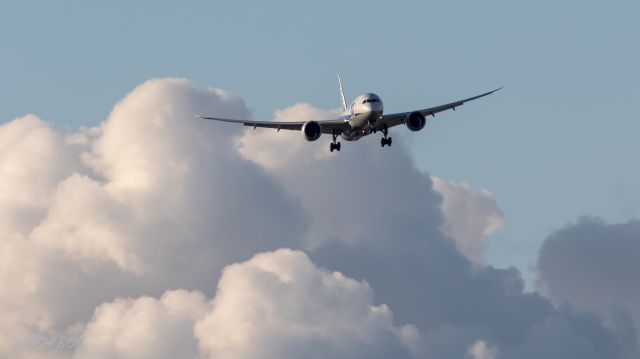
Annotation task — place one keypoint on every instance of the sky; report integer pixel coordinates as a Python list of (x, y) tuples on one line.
[(540, 176), (563, 126)]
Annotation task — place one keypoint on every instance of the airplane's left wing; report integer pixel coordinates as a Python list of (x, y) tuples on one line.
[(395, 119), (327, 126)]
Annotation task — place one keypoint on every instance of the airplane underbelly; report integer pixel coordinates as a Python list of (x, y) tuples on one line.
[(360, 120), (352, 134), (360, 125), (351, 137)]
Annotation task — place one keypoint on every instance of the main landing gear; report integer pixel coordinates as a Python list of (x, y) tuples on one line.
[(385, 141), (334, 145)]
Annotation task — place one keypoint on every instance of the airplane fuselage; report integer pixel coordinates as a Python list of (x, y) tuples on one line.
[(364, 112)]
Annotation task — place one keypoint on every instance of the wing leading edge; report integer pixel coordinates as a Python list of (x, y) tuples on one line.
[(395, 119)]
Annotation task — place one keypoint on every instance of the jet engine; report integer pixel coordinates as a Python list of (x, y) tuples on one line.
[(415, 121), (311, 130)]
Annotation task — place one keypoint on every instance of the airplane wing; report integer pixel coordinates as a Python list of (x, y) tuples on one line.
[(328, 126), (395, 119)]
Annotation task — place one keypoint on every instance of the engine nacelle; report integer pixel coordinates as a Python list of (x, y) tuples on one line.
[(311, 130), (415, 121)]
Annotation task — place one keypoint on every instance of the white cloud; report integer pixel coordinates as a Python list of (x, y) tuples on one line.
[(350, 194), (162, 179), (375, 216), (153, 199), (275, 305), (145, 327), (277, 151), (470, 217), (33, 159), (153, 203), (280, 305), (481, 350)]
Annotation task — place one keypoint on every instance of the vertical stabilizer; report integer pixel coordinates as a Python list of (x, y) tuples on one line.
[(344, 102)]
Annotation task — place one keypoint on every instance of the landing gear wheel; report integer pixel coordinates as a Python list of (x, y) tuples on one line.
[(334, 145), (385, 141)]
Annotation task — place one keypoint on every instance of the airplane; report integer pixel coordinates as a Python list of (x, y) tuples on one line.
[(363, 117)]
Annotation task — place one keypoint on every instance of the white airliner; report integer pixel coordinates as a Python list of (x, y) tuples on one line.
[(363, 117)]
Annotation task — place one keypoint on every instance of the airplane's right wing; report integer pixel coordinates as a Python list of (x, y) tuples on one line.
[(395, 119)]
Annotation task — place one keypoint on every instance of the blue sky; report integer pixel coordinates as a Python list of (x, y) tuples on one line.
[(559, 142)]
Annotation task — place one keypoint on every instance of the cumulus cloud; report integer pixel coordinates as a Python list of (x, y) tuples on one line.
[(145, 327), (119, 233), (470, 218), (275, 305), (376, 217), (276, 151), (593, 265), (280, 305), (152, 199), (31, 153), (166, 181), (350, 194)]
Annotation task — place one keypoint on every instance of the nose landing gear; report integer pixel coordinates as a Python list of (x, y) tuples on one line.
[(385, 141)]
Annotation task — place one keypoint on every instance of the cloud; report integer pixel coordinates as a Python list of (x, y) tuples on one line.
[(553, 338), (480, 350), (120, 233), (145, 327), (593, 266), (280, 305), (376, 217), (167, 181), (276, 152), (151, 200), (275, 305), (349, 194), (470, 217), (31, 153)]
